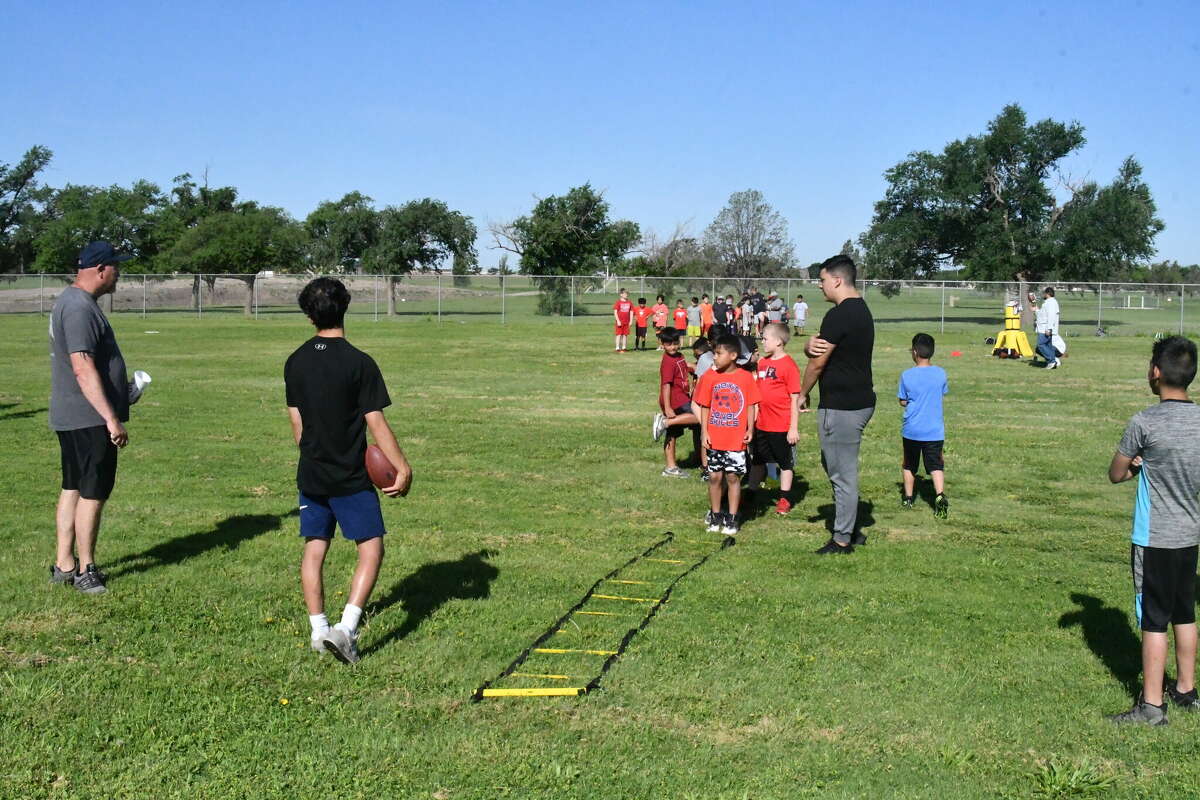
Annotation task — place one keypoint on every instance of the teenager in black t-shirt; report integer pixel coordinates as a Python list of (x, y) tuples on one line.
[(335, 393), (840, 362)]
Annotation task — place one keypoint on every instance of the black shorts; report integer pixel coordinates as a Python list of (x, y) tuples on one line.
[(639, 332), (675, 431), (769, 447), (914, 451), (1164, 586), (89, 462)]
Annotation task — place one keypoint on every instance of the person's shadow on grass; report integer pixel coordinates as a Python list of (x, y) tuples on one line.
[(864, 520), (763, 500), (922, 489), (430, 587), (228, 535), (1107, 634)]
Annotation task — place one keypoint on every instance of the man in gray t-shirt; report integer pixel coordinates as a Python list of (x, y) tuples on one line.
[(89, 402)]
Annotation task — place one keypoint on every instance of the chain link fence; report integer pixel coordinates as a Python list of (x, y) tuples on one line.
[(1088, 309)]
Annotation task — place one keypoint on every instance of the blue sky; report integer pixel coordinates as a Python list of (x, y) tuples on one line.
[(667, 107)]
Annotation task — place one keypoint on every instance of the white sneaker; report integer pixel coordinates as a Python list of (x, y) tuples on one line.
[(659, 426), (317, 641), (1052, 365), (342, 644)]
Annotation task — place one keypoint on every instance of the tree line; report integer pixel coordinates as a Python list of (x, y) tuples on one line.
[(996, 206)]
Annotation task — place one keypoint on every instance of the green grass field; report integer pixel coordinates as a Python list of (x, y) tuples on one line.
[(967, 658)]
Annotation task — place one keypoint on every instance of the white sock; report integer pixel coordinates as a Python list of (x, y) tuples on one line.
[(320, 624), (350, 617)]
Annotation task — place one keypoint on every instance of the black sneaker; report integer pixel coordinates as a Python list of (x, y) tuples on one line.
[(941, 507), (908, 501), (1142, 713), (833, 548), (1187, 701), (858, 539), (90, 581), (713, 521), (731, 526)]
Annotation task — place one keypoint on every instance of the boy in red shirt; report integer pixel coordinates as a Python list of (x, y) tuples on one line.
[(726, 400), (622, 314), (676, 415), (641, 315), (776, 431), (680, 317)]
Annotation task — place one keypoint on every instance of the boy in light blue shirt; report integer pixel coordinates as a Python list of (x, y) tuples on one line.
[(923, 434)]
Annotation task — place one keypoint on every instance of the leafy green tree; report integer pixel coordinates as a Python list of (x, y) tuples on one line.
[(564, 236), (420, 235), (21, 200), (985, 202), (241, 243), (750, 238), (341, 232), (128, 218)]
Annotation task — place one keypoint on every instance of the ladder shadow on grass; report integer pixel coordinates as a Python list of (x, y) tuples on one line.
[(1107, 634), (431, 586), (227, 535), (32, 412)]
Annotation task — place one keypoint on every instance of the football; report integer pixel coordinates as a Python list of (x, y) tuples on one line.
[(379, 469)]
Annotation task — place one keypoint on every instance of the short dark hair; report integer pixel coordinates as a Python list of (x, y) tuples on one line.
[(668, 335), (842, 266), (660, 297), (1175, 357), (729, 343), (324, 301), (922, 345), (641, 301), (700, 345), (1048, 290), (695, 299), (799, 297)]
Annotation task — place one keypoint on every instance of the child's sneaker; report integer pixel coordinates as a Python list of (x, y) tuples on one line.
[(674, 472), (907, 501), (731, 526), (659, 426), (1187, 701), (941, 507), (712, 521), (783, 506), (90, 581), (1142, 713), (342, 644)]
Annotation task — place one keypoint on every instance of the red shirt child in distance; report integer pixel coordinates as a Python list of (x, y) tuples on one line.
[(622, 313), (778, 415), (641, 318), (726, 400), (680, 316), (676, 404)]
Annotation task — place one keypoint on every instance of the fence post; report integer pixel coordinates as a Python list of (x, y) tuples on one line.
[(255, 285), (572, 287), (501, 299), (439, 296), (942, 327), (375, 283), (1100, 309), (145, 278), (1181, 309), (200, 296), (41, 286)]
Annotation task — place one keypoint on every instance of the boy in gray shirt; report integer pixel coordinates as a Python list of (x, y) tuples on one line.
[(1161, 448)]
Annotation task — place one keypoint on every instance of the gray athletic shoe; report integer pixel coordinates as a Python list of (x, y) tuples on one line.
[(659, 426), (674, 472), (343, 645), (1142, 713), (318, 643), (59, 576), (90, 581)]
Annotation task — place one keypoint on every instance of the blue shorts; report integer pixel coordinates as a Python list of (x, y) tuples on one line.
[(358, 515)]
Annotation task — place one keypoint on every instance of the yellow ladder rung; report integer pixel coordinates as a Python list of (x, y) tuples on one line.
[(665, 560), (562, 650), (599, 613), (553, 691), (631, 583), (540, 675), (626, 599)]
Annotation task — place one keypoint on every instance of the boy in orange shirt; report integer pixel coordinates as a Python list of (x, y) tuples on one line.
[(726, 401), (706, 315)]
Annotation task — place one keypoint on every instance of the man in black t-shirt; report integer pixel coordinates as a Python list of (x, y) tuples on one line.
[(335, 393), (840, 362)]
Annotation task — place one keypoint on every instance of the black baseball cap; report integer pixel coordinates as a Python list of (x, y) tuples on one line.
[(99, 254)]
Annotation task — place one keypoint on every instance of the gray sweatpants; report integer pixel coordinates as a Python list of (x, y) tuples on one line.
[(840, 433)]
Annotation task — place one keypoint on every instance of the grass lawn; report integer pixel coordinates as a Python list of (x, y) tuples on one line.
[(967, 658)]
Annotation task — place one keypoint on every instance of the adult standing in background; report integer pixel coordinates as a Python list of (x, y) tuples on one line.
[(89, 402), (1047, 328), (840, 362), (775, 308)]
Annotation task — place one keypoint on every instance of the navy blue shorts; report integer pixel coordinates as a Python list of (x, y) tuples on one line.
[(358, 515)]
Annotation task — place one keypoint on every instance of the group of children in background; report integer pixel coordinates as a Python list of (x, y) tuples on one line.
[(748, 317), (743, 412)]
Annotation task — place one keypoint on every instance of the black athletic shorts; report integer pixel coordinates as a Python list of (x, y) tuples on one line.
[(639, 332), (675, 431), (914, 451), (1164, 586), (89, 462), (769, 447)]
